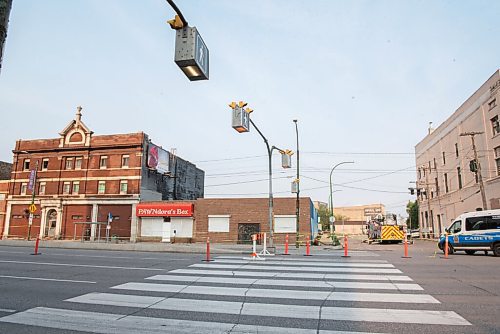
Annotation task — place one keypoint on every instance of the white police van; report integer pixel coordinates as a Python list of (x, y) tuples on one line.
[(474, 231)]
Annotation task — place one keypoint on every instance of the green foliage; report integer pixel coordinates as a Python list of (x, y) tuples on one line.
[(324, 215), (412, 210), (335, 240)]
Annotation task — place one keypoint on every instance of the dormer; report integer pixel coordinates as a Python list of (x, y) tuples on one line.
[(76, 133)]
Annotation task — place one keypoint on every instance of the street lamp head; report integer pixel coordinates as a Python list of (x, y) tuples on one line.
[(295, 121)]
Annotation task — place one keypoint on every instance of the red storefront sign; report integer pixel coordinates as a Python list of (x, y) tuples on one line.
[(164, 210)]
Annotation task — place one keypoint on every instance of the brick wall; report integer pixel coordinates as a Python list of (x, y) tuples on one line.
[(122, 215), (18, 226), (72, 214), (248, 211)]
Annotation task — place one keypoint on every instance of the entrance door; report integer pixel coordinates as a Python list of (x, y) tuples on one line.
[(245, 232), (51, 222)]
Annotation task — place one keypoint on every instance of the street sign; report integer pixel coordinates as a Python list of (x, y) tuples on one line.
[(201, 54), (31, 183), (30, 219), (332, 219), (32, 208)]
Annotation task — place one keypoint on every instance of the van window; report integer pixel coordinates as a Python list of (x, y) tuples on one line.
[(475, 223), (494, 222), (455, 227)]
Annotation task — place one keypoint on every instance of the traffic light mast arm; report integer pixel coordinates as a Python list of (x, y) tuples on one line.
[(176, 9)]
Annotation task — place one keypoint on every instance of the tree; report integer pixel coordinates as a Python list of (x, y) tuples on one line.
[(324, 215), (412, 210)]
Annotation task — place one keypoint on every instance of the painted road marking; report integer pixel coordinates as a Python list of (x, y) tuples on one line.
[(294, 283), (285, 268), (79, 265), (278, 293), (46, 279), (107, 323), (286, 311), (315, 264), (291, 275), (309, 259)]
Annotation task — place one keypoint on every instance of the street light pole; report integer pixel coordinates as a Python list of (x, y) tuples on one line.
[(331, 197), (297, 204)]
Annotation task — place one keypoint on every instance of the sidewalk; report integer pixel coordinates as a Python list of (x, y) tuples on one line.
[(199, 248)]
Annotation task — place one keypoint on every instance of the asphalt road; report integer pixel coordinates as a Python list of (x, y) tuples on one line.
[(373, 291)]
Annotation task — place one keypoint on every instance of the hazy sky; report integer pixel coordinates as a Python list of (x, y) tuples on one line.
[(363, 78)]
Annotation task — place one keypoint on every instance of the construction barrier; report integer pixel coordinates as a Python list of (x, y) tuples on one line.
[(346, 247), (406, 248), (264, 249), (286, 245), (208, 251), (37, 242), (308, 247), (255, 256)]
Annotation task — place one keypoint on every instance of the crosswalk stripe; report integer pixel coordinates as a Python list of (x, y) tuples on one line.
[(294, 283), (308, 259), (278, 293), (311, 264), (285, 311), (292, 275), (284, 268), (107, 323)]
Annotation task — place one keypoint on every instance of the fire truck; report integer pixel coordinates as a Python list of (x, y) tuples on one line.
[(385, 229)]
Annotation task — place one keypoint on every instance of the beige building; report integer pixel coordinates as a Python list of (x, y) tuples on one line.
[(446, 182), (352, 219)]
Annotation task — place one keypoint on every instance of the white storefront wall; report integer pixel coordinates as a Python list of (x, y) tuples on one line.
[(157, 227)]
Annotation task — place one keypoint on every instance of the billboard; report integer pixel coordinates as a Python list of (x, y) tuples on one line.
[(158, 159)]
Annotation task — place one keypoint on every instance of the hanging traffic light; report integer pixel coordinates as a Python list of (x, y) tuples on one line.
[(240, 116), (473, 166)]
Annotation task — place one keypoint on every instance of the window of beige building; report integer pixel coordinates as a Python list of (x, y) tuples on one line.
[(444, 158), (497, 159), (456, 150), (495, 125), (446, 182), (459, 175), (492, 104)]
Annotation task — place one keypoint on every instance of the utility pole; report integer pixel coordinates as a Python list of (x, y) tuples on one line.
[(297, 202), (478, 172)]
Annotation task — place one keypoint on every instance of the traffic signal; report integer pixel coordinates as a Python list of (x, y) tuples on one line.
[(240, 116), (412, 191)]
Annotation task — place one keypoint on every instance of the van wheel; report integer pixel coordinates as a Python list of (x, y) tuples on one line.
[(496, 249), (470, 252), (451, 250)]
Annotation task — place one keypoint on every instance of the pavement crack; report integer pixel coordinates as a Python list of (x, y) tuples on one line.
[(242, 305), (323, 304)]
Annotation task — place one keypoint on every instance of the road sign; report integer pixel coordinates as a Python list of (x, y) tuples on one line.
[(32, 208), (30, 219), (201, 54)]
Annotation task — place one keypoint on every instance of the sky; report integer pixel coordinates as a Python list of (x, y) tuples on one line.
[(363, 79)]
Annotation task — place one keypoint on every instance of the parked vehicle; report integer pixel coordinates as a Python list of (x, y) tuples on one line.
[(473, 231), (384, 229)]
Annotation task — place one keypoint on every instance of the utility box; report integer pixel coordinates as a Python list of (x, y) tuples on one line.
[(240, 119), (295, 187), (191, 54)]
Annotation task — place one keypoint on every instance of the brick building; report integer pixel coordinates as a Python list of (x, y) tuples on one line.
[(5, 170), (447, 186), (82, 178), (228, 220), (352, 219)]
